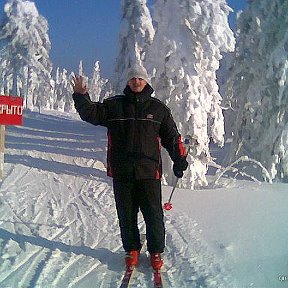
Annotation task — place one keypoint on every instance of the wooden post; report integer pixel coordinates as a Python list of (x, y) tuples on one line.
[(2, 150)]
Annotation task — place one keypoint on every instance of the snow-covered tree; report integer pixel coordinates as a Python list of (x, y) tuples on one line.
[(63, 92), (95, 83), (81, 69), (184, 58), (135, 37), (24, 57), (258, 86), (99, 88), (107, 90), (58, 96)]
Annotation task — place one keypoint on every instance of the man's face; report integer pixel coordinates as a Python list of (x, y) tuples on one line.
[(137, 84)]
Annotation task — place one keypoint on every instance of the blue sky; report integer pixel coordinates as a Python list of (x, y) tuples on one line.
[(88, 30)]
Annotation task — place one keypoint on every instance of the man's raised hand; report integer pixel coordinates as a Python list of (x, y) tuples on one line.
[(79, 85)]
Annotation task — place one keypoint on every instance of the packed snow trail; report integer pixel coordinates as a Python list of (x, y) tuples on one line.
[(59, 226)]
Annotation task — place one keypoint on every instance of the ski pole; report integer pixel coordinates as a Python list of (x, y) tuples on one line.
[(168, 205)]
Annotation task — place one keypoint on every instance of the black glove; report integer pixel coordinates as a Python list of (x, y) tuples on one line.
[(179, 166)]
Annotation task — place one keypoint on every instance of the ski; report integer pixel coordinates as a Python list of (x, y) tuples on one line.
[(130, 270), (127, 276), (157, 279)]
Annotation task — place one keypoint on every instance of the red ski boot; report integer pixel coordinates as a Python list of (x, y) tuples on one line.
[(131, 258), (156, 261)]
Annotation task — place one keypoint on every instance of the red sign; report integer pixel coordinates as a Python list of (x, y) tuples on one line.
[(11, 110)]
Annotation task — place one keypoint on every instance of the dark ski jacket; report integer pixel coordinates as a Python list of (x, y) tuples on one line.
[(138, 124)]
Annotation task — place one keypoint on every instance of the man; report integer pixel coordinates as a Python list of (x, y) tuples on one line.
[(138, 125)]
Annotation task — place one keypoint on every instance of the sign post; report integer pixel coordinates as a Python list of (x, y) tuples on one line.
[(2, 149), (11, 113)]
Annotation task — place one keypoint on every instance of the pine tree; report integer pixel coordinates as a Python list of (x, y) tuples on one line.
[(63, 91), (136, 35), (24, 58), (185, 55), (80, 69), (58, 90), (107, 90), (258, 87), (95, 83), (99, 88)]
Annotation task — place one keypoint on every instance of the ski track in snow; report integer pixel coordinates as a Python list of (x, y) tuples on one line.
[(59, 226)]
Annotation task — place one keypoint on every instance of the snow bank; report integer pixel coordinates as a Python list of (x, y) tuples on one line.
[(59, 226)]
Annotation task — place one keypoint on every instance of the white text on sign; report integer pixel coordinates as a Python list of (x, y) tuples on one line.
[(11, 110)]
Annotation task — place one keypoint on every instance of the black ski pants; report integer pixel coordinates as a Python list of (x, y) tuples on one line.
[(132, 195)]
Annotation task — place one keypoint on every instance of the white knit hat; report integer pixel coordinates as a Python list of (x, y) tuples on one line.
[(138, 71)]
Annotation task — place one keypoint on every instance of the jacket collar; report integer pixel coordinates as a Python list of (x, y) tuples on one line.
[(141, 97)]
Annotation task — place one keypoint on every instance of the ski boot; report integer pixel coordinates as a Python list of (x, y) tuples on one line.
[(156, 261), (132, 258)]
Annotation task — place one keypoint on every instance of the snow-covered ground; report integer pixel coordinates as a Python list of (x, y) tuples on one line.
[(59, 226)]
